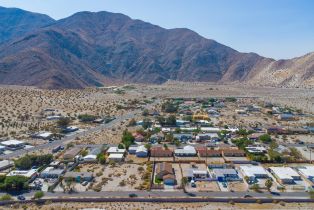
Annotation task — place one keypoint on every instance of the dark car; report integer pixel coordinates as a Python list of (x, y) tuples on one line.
[(275, 193), (21, 197), (132, 195), (247, 196)]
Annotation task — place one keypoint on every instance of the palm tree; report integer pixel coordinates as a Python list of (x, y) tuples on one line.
[(184, 182), (247, 179), (255, 187), (268, 184)]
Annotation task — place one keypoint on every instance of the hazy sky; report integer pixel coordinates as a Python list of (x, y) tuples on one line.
[(272, 28)]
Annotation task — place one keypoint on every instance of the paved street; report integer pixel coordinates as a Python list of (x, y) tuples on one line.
[(171, 194)]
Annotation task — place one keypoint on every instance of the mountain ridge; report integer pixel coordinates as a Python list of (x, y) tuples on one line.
[(95, 49)]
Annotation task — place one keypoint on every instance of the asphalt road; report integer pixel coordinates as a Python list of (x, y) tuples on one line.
[(170, 194), (65, 140)]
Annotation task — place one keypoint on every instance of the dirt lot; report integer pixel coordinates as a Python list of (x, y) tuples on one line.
[(213, 160), (135, 159), (162, 159), (174, 206), (177, 172), (125, 177), (237, 186)]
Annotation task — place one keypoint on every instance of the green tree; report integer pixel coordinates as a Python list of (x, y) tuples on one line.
[(39, 194), (148, 146), (127, 139), (146, 123), (171, 120), (184, 182), (101, 158), (169, 107), (255, 187), (268, 184), (64, 122), (16, 183), (6, 197), (86, 118), (24, 163), (265, 138), (247, 179)]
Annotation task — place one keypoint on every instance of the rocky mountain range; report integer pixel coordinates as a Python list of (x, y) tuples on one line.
[(96, 49)]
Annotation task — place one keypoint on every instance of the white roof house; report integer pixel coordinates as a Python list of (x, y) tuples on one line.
[(51, 172), (5, 164), (28, 174), (43, 135), (186, 151), (115, 150), (254, 172), (13, 144), (210, 129), (116, 157), (90, 158), (132, 149), (256, 149), (54, 117), (285, 174), (307, 171)]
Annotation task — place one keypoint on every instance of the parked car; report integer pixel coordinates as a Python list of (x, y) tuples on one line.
[(275, 193), (132, 195), (224, 184), (21, 197), (247, 196), (84, 183), (193, 184)]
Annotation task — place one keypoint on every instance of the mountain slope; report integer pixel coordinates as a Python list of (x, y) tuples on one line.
[(88, 49), (16, 22), (296, 72)]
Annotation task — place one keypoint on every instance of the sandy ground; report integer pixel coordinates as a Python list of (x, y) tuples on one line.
[(158, 206)]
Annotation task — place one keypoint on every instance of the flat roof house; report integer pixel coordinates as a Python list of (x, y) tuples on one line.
[(206, 152), (186, 151), (225, 174), (90, 158), (43, 135), (206, 136), (256, 149), (308, 172), (132, 149), (194, 174), (233, 153), (2, 149), (254, 172), (115, 150), (70, 154), (30, 174), (141, 151), (160, 152), (51, 172), (116, 157), (13, 144), (183, 137), (286, 175), (79, 176), (5, 164)]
